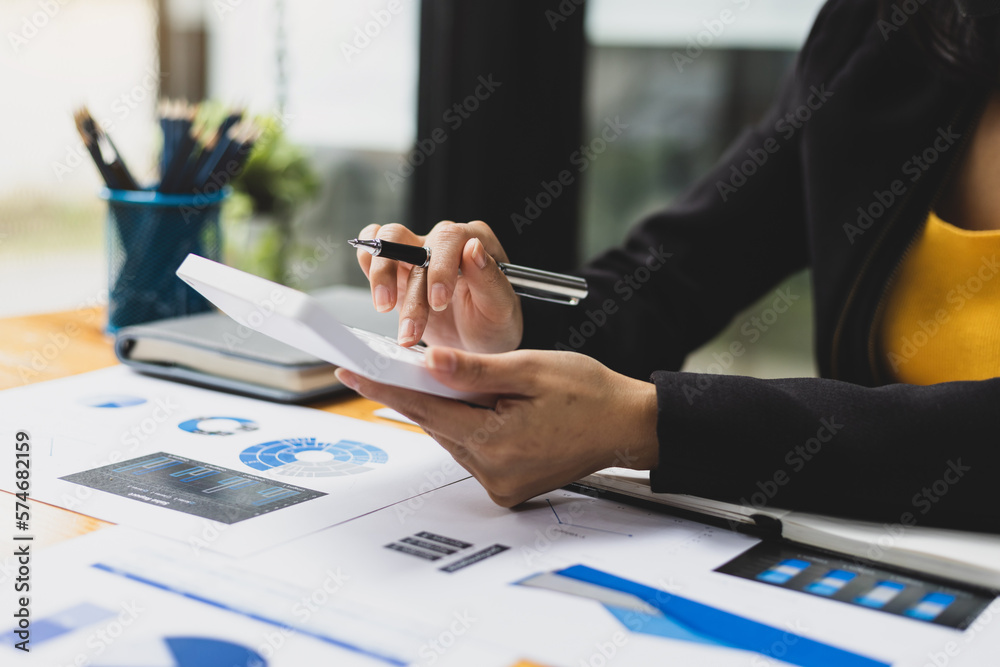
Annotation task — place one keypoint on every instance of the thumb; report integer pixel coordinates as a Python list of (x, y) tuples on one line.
[(507, 373), (490, 288)]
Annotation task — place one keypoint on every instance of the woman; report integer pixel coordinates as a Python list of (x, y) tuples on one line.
[(888, 126)]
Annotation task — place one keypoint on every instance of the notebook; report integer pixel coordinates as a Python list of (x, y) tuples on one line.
[(214, 351)]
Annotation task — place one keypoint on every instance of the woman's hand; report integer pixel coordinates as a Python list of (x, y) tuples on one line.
[(560, 416), (476, 311)]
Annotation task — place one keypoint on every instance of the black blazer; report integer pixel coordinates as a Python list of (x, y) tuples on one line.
[(839, 176)]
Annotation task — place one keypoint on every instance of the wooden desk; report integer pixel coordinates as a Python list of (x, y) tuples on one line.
[(37, 348)]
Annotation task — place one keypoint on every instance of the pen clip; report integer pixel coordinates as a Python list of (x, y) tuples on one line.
[(545, 285), (546, 296)]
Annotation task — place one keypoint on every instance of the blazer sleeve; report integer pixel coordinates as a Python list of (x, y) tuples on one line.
[(897, 454)]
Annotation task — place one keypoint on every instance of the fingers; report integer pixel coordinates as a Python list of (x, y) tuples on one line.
[(447, 239), (364, 258), (488, 284), (483, 232), (413, 314), (509, 373), (471, 248), (450, 241), (382, 273), (460, 428)]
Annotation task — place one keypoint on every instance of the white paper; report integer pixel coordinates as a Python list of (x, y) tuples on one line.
[(360, 466), (658, 550), (343, 584), (393, 415), (301, 321), (139, 618), (171, 592)]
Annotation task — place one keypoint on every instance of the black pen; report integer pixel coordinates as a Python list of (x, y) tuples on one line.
[(532, 283)]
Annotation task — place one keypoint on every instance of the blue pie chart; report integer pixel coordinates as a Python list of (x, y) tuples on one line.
[(200, 652), (188, 652), (112, 401)]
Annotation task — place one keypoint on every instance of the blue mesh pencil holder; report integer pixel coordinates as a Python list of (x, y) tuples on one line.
[(148, 235)]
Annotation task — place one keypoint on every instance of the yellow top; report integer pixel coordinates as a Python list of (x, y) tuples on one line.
[(942, 317)]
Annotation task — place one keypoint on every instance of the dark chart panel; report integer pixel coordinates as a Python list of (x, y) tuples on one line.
[(822, 574), (196, 488)]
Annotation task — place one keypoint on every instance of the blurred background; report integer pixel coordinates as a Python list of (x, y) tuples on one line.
[(359, 88)]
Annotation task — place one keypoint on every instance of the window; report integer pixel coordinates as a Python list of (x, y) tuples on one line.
[(101, 54), (687, 78)]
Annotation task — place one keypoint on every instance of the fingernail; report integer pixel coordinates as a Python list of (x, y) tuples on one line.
[(479, 255), (407, 330), (347, 379), (443, 360), (382, 299), (439, 297)]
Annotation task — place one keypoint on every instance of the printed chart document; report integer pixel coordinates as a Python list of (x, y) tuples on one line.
[(452, 597), (217, 471), (453, 549), (119, 597), (972, 558), (85, 612)]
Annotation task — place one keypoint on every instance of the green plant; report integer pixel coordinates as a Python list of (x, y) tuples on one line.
[(278, 176)]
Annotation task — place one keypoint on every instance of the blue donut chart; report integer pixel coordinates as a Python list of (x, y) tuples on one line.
[(218, 425), (309, 457)]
